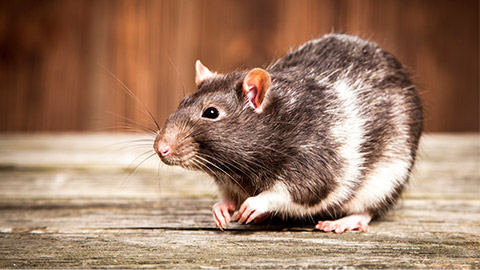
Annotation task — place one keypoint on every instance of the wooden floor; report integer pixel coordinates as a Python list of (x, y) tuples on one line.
[(72, 201)]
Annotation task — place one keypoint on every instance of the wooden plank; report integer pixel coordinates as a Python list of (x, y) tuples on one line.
[(74, 216), (180, 233)]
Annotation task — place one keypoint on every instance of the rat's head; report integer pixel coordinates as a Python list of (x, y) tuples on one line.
[(213, 125)]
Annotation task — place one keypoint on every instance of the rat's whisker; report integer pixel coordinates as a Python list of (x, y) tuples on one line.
[(178, 74), (241, 168), (196, 161), (131, 94), (135, 169), (128, 128), (133, 123), (220, 169), (187, 134)]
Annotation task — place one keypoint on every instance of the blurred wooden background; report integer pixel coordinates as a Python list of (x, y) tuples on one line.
[(52, 53)]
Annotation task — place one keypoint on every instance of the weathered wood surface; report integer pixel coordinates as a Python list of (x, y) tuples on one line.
[(70, 201)]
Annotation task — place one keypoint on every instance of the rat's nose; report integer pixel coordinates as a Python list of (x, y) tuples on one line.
[(164, 149)]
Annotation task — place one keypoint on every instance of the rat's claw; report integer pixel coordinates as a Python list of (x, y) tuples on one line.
[(252, 209), (222, 212), (348, 223), (243, 214), (219, 218)]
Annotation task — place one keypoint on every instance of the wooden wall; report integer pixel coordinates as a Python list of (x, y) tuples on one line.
[(56, 55)]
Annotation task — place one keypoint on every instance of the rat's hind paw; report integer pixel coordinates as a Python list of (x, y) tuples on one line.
[(348, 223)]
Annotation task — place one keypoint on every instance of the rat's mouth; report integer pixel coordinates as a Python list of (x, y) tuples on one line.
[(169, 161), (185, 165), (184, 160)]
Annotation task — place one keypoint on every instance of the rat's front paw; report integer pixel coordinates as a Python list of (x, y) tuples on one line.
[(252, 209), (222, 213)]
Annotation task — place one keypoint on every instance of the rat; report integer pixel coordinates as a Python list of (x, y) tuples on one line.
[(331, 129)]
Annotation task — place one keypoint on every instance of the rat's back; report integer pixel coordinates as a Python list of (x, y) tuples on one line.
[(373, 117)]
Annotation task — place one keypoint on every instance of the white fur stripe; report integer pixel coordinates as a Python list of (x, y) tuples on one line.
[(349, 132), (276, 199), (390, 171)]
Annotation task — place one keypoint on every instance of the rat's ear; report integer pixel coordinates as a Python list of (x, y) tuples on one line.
[(255, 86), (202, 73)]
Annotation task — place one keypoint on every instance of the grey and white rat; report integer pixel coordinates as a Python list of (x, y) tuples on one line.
[(331, 129)]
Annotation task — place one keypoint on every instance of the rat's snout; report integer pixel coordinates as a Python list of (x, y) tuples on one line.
[(163, 149), (163, 146), (174, 146)]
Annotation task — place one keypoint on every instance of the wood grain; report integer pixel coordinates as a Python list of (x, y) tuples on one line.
[(90, 211)]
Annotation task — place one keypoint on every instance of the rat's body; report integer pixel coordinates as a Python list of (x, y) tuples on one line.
[(330, 129)]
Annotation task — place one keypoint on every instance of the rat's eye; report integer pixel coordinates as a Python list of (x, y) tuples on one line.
[(211, 112)]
